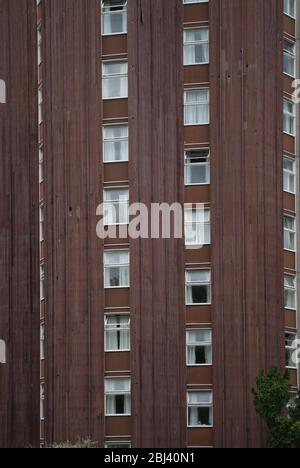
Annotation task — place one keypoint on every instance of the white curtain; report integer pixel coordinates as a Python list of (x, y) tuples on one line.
[(117, 333), (115, 80), (113, 401), (114, 22), (196, 107)]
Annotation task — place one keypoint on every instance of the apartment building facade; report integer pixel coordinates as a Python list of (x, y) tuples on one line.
[(157, 342), (19, 238)]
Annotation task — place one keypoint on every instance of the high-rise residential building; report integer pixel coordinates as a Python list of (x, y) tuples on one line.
[(19, 238), (156, 342)]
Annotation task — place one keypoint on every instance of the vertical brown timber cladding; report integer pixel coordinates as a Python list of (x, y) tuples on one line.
[(73, 178), (19, 254), (246, 191), (157, 266)]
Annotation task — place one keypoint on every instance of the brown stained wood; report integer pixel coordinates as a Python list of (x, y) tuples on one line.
[(74, 263), (19, 234), (246, 201), (157, 266)]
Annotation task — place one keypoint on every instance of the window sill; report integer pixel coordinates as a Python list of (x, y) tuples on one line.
[(117, 415), (200, 427), (199, 365), (197, 305), (290, 76), (114, 34), (290, 193), (291, 251), (116, 287), (118, 351), (114, 98), (196, 64), (118, 161), (293, 135), (197, 124), (198, 184)]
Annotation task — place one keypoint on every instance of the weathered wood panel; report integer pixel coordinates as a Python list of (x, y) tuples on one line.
[(73, 178), (157, 266), (19, 244), (246, 192)]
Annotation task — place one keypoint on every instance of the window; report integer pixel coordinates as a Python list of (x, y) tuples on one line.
[(290, 291), (197, 226), (117, 333), (40, 105), (197, 167), (195, 1), (114, 17), (289, 58), (290, 348), (41, 164), (117, 397), (39, 44), (42, 223), (200, 409), (198, 287), (42, 282), (115, 80), (196, 107), (289, 175), (42, 402), (116, 204), (42, 340), (199, 347), (196, 46), (116, 267), (117, 445), (289, 233), (115, 143), (289, 117), (290, 8)]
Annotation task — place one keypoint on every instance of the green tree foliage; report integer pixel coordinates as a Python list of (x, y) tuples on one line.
[(81, 444), (273, 402)]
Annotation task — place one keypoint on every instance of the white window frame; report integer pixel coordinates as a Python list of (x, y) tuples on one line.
[(39, 44), (123, 327), (192, 104), (115, 393), (42, 282), (198, 344), (290, 231), (290, 289), (121, 444), (289, 174), (199, 225), (189, 283), (109, 13), (188, 165), (115, 140), (195, 43), (292, 56), (42, 223), (42, 340), (198, 405), (109, 205), (191, 2), (117, 75), (290, 115), (40, 105), (41, 164), (287, 11), (290, 349), (42, 401), (116, 266)]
